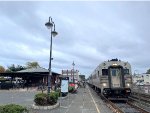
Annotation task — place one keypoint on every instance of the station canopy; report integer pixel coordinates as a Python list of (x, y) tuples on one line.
[(36, 72)]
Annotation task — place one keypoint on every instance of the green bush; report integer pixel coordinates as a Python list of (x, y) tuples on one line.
[(13, 108), (58, 92), (46, 99), (40, 99), (71, 89), (52, 98)]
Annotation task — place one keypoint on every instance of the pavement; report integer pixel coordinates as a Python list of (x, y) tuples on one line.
[(18, 96), (84, 101)]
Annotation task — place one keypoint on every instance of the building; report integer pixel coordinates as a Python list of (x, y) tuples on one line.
[(72, 74), (32, 77), (141, 79), (141, 82)]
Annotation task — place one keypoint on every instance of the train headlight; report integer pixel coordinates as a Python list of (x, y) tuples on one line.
[(104, 84), (128, 84)]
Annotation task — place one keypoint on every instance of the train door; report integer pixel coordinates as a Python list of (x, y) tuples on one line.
[(115, 74)]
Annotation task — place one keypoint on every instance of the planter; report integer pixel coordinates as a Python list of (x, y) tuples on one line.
[(45, 107)]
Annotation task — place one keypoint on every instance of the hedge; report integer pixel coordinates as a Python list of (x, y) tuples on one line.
[(13, 108)]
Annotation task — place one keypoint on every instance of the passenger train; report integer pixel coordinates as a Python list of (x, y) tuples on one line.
[(113, 79)]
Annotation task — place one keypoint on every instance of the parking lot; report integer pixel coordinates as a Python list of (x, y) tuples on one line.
[(22, 97)]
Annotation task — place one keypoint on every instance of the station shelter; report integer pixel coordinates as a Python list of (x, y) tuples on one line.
[(32, 77)]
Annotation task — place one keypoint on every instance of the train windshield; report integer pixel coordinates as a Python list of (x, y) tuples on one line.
[(115, 74)]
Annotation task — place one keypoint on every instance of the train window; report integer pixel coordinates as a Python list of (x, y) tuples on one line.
[(126, 71), (98, 73), (104, 71), (113, 72)]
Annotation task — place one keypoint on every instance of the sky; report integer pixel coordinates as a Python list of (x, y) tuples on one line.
[(89, 32)]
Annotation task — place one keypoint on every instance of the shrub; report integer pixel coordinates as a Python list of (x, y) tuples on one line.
[(71, 88), (13, 108), (52, 98), (58, 92), (40, 99), (46, 99)]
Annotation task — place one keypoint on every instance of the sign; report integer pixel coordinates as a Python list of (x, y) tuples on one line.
[(64, 85)]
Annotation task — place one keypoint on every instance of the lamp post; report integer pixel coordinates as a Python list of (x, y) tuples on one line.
[(50, 25), (73, 64)]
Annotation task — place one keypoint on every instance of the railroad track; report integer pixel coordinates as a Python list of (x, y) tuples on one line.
[(141, 96), (141, 99), (123, 107)]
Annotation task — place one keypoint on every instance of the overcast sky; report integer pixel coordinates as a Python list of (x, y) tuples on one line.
[(89, 33)]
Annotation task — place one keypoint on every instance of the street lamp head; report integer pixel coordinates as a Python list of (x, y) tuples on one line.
[(54, 33), (49, 24)]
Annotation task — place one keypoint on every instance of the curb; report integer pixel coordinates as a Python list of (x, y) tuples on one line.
[(45, 107), (62, 97)]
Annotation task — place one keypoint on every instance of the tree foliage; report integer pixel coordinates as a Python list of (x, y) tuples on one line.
[(32, 64), (2, 69), (148, 71), (14, 68)]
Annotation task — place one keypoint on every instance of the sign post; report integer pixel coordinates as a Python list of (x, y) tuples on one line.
[(64, 86)]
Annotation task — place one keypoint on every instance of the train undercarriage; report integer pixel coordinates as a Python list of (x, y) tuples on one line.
[(113, 93), (116, 93)]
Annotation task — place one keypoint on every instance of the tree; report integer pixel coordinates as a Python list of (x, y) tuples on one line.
[(14, 68), (32, 64), (11, 68), (19, 68), (148, 71), (2, 69)]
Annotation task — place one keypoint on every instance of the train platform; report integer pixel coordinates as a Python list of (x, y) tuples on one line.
[(84, 101)]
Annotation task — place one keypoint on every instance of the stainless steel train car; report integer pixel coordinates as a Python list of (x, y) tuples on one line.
[(113, 79)]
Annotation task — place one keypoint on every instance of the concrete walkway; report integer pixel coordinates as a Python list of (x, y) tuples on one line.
[(84, 101)]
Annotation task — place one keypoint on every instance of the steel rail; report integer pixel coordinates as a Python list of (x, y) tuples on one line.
[(137, 107), (114, 107)]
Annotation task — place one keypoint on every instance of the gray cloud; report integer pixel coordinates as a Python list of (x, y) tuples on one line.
[(89, 33)]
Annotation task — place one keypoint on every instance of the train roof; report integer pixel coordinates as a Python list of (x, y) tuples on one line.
[(109, 62)]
